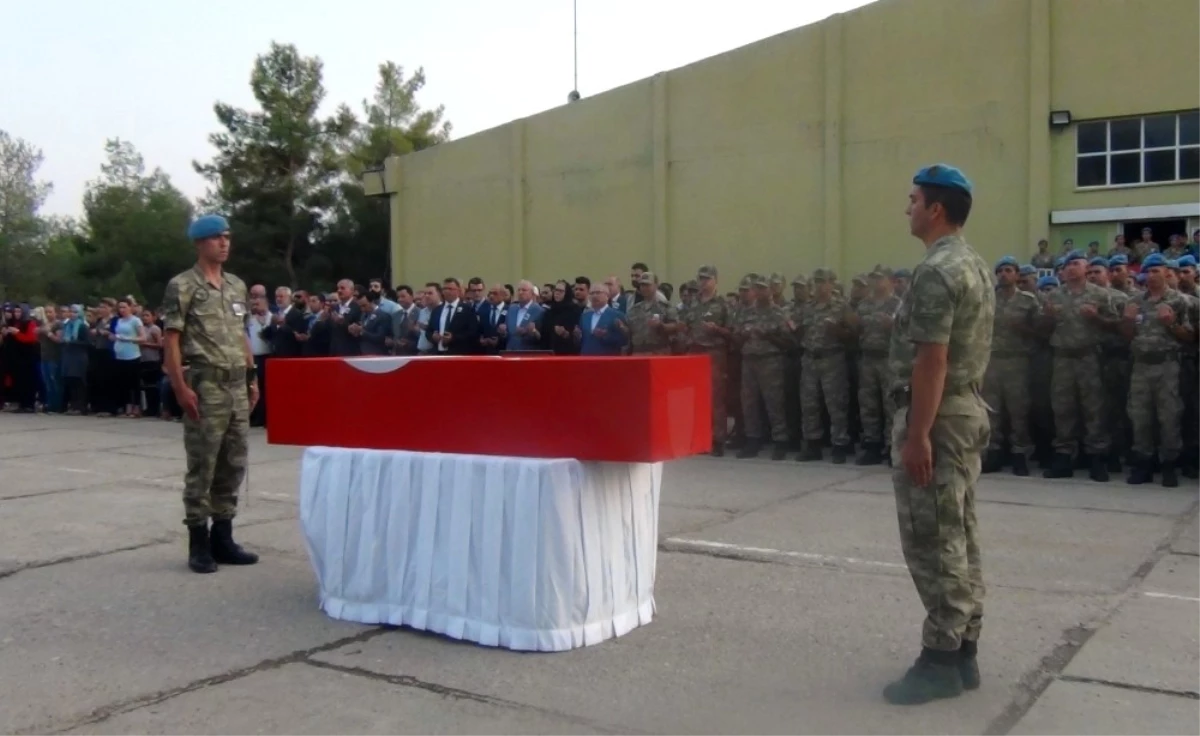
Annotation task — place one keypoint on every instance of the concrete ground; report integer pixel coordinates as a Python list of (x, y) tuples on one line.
[(783, 607)]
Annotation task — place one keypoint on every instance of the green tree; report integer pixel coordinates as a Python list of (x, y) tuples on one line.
[(22, 230), (276, 170), (135, 227)]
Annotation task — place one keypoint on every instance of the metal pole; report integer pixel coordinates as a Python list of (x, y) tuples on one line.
[(575, 9)]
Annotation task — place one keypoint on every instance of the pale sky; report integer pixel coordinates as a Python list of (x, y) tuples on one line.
[(76, 72)]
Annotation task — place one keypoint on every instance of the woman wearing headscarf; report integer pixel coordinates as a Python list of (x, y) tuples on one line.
[(21, 339), (75, 346), (561, 318)]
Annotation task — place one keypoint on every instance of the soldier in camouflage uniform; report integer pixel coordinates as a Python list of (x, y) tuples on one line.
[(777, 281), (204, 323), (733, 389), (1115, 368), (1157, 325), (1027, 279), (795, 312), (764, 336), (1189, 371), (1077, 314), (651, 322), (940, 347), (1006, 383), (1041, 366), (872, 320), (823, 370), (708, 333)]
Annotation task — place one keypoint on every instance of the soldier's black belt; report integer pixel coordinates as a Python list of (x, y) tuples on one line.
[(1073, 352), (874, 353), (1010, 353), (1157, 357), (217, 374)]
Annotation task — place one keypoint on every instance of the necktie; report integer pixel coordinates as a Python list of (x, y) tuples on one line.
[(495, 315)]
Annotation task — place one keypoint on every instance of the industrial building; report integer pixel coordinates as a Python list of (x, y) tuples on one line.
[(1074, 118)]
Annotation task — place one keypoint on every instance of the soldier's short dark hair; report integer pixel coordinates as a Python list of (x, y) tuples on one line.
[(955, 202), (640, 265), (584, 280)]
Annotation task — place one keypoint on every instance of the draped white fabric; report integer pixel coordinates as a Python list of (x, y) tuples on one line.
[(521, 553)]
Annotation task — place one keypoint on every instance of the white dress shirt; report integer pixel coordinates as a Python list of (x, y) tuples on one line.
[(596, 318), (447, 312)]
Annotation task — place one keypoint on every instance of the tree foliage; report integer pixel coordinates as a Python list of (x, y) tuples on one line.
[(22, 230)]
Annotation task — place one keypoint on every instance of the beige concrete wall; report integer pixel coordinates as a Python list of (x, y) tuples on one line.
[(797, 151)]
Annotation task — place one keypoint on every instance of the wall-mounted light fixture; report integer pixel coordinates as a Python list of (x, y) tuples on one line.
[(1060, 118)]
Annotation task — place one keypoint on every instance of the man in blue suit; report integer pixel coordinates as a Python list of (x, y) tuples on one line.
[(602, 329), (493, 313), (523, 322)]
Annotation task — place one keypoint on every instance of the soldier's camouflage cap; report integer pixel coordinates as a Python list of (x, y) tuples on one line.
[(748, 281), (689, 286), (777, 279), (824, 274), (800, 280), (859, 279), (647, 278), (762, 281), (880, 272), (707, 272)]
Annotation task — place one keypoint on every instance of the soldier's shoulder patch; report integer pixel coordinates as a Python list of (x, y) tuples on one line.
[(200, 293)]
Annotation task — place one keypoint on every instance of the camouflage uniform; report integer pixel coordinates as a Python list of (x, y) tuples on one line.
[(211, 320), (1143, 248), (646, 337), (1189, 383), (875, 402), (792, 360), (703, 341), (823, 371), (1116, 368), (950, 302), (1076, 391), (1006, 383), (1154, 401), (765, 334)]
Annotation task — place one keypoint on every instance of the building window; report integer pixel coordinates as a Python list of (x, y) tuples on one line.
[(1154, 149)]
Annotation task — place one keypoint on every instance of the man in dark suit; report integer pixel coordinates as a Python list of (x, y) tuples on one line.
[(453, 326), (602, 329), (374, 328), (492, 313), (287, 322), (343, 313)]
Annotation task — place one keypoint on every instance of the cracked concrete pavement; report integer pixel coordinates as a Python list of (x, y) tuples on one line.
[(783, 607)]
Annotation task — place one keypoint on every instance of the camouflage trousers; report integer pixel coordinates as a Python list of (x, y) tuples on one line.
[(216, 446), (762, 376), (875, 405), (1189, 392), (1006, 391), (823, 378), (939, 533), (1116, 370), (719, 359), (1154, 404), (1076, 393)]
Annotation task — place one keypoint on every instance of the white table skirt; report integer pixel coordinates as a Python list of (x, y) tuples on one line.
[(528, 554)]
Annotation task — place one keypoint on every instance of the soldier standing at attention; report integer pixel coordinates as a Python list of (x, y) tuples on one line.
[(1156, 324), (939, 351), (1077, 315), (1189, 371), (765, 336), (872, 320), (1006, 384), (708, 333), (795, 312), (823, 370), (204, 323), (1115, 367), (651, 322)]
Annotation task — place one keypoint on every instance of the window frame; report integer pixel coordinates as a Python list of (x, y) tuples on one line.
[(1108, 153)]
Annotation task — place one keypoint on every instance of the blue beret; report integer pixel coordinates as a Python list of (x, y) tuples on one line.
[(1075, 255), (943, 175), (1154, 259), (1045, 281), (1118, 260), (1007, 261), (1099, 261), (1028, 270), (1173, 264), (207, 226), (902, 273), (1060, 261), (1188, 260)]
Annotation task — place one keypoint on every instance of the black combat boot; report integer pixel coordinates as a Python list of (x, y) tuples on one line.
[(1020, 465), (1139, 470), (1114, 461), (1170, 479), (718, 449), (840, 453), (993, 461), (199, 555), (780, 452), (968, 667), (226, 551), (1099, 469), (750, 448), (934, 675), (870, 454), (812, 452), (1062, 467), (1083, 461)]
